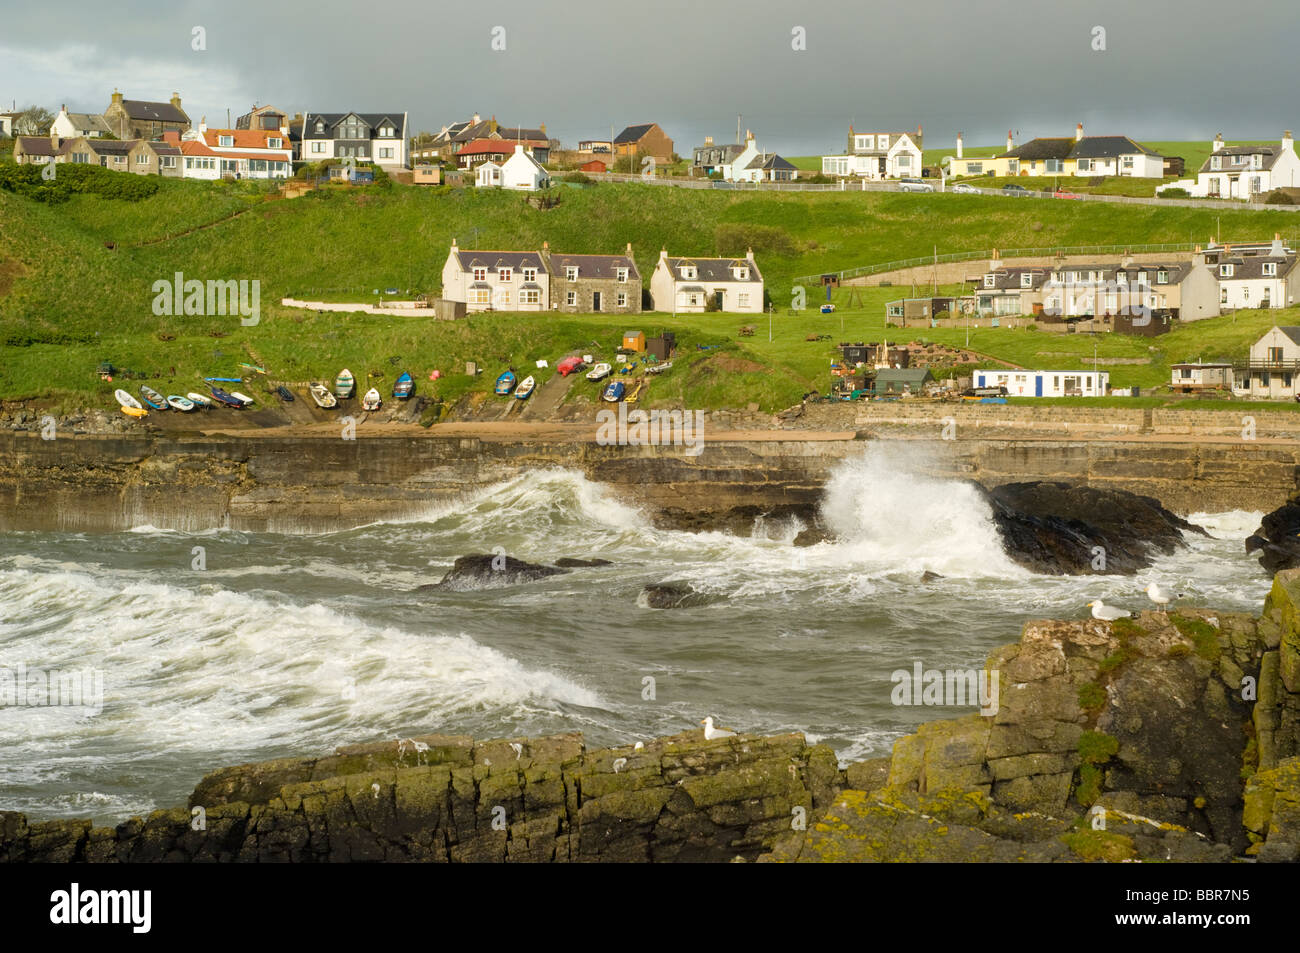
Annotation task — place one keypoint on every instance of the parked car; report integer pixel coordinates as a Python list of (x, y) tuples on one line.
[(914, 185), (965, 188), (1062, 194), (1012, 189)]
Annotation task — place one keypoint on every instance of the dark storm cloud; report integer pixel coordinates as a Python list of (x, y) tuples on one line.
[(1171, 70)]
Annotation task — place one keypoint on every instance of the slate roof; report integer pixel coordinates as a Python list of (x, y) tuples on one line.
[(1044, 148), (41, 145), (595, 266), (1270, 156), (712, 269), (519, 133), (1008, 279), (774, 161), (1292, 332), (1246, 267), (154, 112), (92, 122), (1089, 147), (633, 133), (495, 260), (373, 120)]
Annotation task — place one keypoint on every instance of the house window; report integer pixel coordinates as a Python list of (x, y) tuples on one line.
[(1053, 165), (142, 158), (693, 299), (571, 273), (1127, 162), (1216, 163), (622, 299), (863, 143), (503, 295), (480, 274), (225, 141), (385, 153), (1085, 165), (386, 132), (1223, 294), (688, 272), (1162, 277), (622, 274), (975, 168), (1026, 280), (882, 143), (742, 274), (318, 147), (530, 296), (989, 281), (504, 274), (1013, 166), (530, 274), (274, 143), (742, 300), (1270, 269), (480, 296), (904, 160), (571, 298), (1142, 277), (1267, 297), (1225, 271)]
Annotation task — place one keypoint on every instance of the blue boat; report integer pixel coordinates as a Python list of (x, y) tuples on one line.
[(614, 391), (404, 386), (505, 383), (155, 400), (228, 399), (224, 380)]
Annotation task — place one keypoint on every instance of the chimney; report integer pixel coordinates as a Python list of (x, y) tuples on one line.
[(1287, 141), (542, 127), (519, 148), (176, 100), (546, 246), (1218, 142), (117, 98), (918, 133), (959, 145), (1078, 132), (1278, 250), (203, 125), (663, 254), (629, 250), (749, 254), (477, 118), (749, 136), (994, 261), (1010, 142)]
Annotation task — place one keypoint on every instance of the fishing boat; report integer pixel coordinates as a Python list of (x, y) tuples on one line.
[(404, 386), (177, 402), (599, 372), (505, 383), (134, 411), (155, 400), (614, 391), (321, 394), (525, 388), (659, 368), (344, 384), (372, 400), (198, 400), (286, 395), (229, 400), (126, 400), (241, 397)]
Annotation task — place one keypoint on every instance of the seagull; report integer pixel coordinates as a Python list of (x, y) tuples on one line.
[(710, 732), (1107, 613), (638, 746), (1161, 597), (518, 749)]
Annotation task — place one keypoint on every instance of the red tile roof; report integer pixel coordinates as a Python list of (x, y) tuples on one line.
[(505, 147), (247, 138)]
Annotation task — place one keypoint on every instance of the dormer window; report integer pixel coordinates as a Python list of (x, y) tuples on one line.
[(530, 274), (1026, 280), (989, 281), (1142, 277), (1121, 277), (863, 143), (1162, 277), (1225, 271), (688, 272), (225, 141), (320, 126), (882, 143), (504, 274), (571, 273), (1216, 162), (742, 273), (622, 274), (276, 143), (1270, 269), (480, 274)]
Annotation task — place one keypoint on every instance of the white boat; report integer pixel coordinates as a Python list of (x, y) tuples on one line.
[(242, 397), (659, 368), (321, 394), (198, 400), (344, 384), (525, 388), (599, 372), (183, 404), (372, 400), (126, 400)]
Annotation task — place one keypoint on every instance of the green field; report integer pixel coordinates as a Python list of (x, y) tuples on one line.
[(68, 302)]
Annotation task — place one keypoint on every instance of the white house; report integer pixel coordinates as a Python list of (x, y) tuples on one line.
[(1189, 377), (752, 164), (496, 280), (877, 155), (1025, 383), (68, 125), (690, 285), (245, 153), (1274, 365), (367, 137), (1255, 276), (523, 173), (487, 175), (1241, 172)]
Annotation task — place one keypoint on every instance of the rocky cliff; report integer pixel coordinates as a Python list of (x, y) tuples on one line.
[(1173, 736)]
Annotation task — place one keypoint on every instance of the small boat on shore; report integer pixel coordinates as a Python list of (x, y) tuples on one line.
[(286, 395), (177, 402), (134, 411), (505, 383), (372, 400), (198, 400), (344, 384), (599, 372), (228, 400), (155, 400), (223, 380), (126, 400), (404, 386), (321, 394), (614, 391), (241, 397), (525, 388), (659, 368), (253, 367)]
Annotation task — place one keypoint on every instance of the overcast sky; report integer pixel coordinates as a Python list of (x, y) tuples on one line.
[(1170, 70)]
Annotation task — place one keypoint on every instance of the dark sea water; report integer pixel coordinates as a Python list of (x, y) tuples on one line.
[(293, 644)]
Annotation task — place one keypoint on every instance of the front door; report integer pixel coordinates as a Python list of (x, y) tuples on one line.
[(1038, 385), (717, 298), (595, 301)]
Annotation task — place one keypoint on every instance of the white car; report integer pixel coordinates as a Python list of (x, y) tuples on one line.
[(965, 189), (914, 185)]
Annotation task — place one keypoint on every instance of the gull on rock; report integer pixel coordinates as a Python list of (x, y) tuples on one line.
[(1107, 613), (1161, 597), (710, 732)]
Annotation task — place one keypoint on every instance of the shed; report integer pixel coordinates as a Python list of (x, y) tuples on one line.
[(896, 380), (634, 340), (595, 165)]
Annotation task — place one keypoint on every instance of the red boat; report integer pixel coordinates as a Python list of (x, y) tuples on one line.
[(569, 366)]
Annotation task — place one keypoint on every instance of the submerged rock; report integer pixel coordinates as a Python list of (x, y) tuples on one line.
[(1078, 530), (929, 576), (1278, 538), (488, 571), (568, 562), (671, 595)]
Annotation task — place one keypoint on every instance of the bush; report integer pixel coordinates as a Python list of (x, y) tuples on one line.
[(1174, 193), (1279, 198), (581, 178), (733, 239), (72, 177)]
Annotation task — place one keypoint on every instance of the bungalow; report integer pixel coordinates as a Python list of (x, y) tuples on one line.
[(877, 155), (75, 125), (521, 172), (368, 137), (644, 139), (752, 164), (139, 156), (1252, 276), (1273, 370), (692, 285), (1080, 155), (39, 150), (592, 283), (1242, 172), (1026, 383), (1188, 378), (496, 280)]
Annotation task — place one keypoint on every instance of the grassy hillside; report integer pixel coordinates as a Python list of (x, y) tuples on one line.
[(68, 302)]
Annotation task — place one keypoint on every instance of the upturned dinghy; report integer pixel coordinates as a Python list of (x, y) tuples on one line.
[(321, 394), (505, 383), (372, 400), (126, 400), (134, 411), (198, 400), (286, 395), (177, 402), (243, 398), (344, 384), (404, 386), (227, 400), (525, 388), (155, 400)]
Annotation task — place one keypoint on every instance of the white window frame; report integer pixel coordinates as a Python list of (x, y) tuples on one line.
[(530, 274), (570, 272), (226, 142), (571, 298), (1225, 270), (622, 274), (480, 274), (505, 274), (622, 299), (1270, 269)]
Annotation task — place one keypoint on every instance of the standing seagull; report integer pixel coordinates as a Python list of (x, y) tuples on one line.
[(710, 732), (1107, 613), (1161, 597)]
